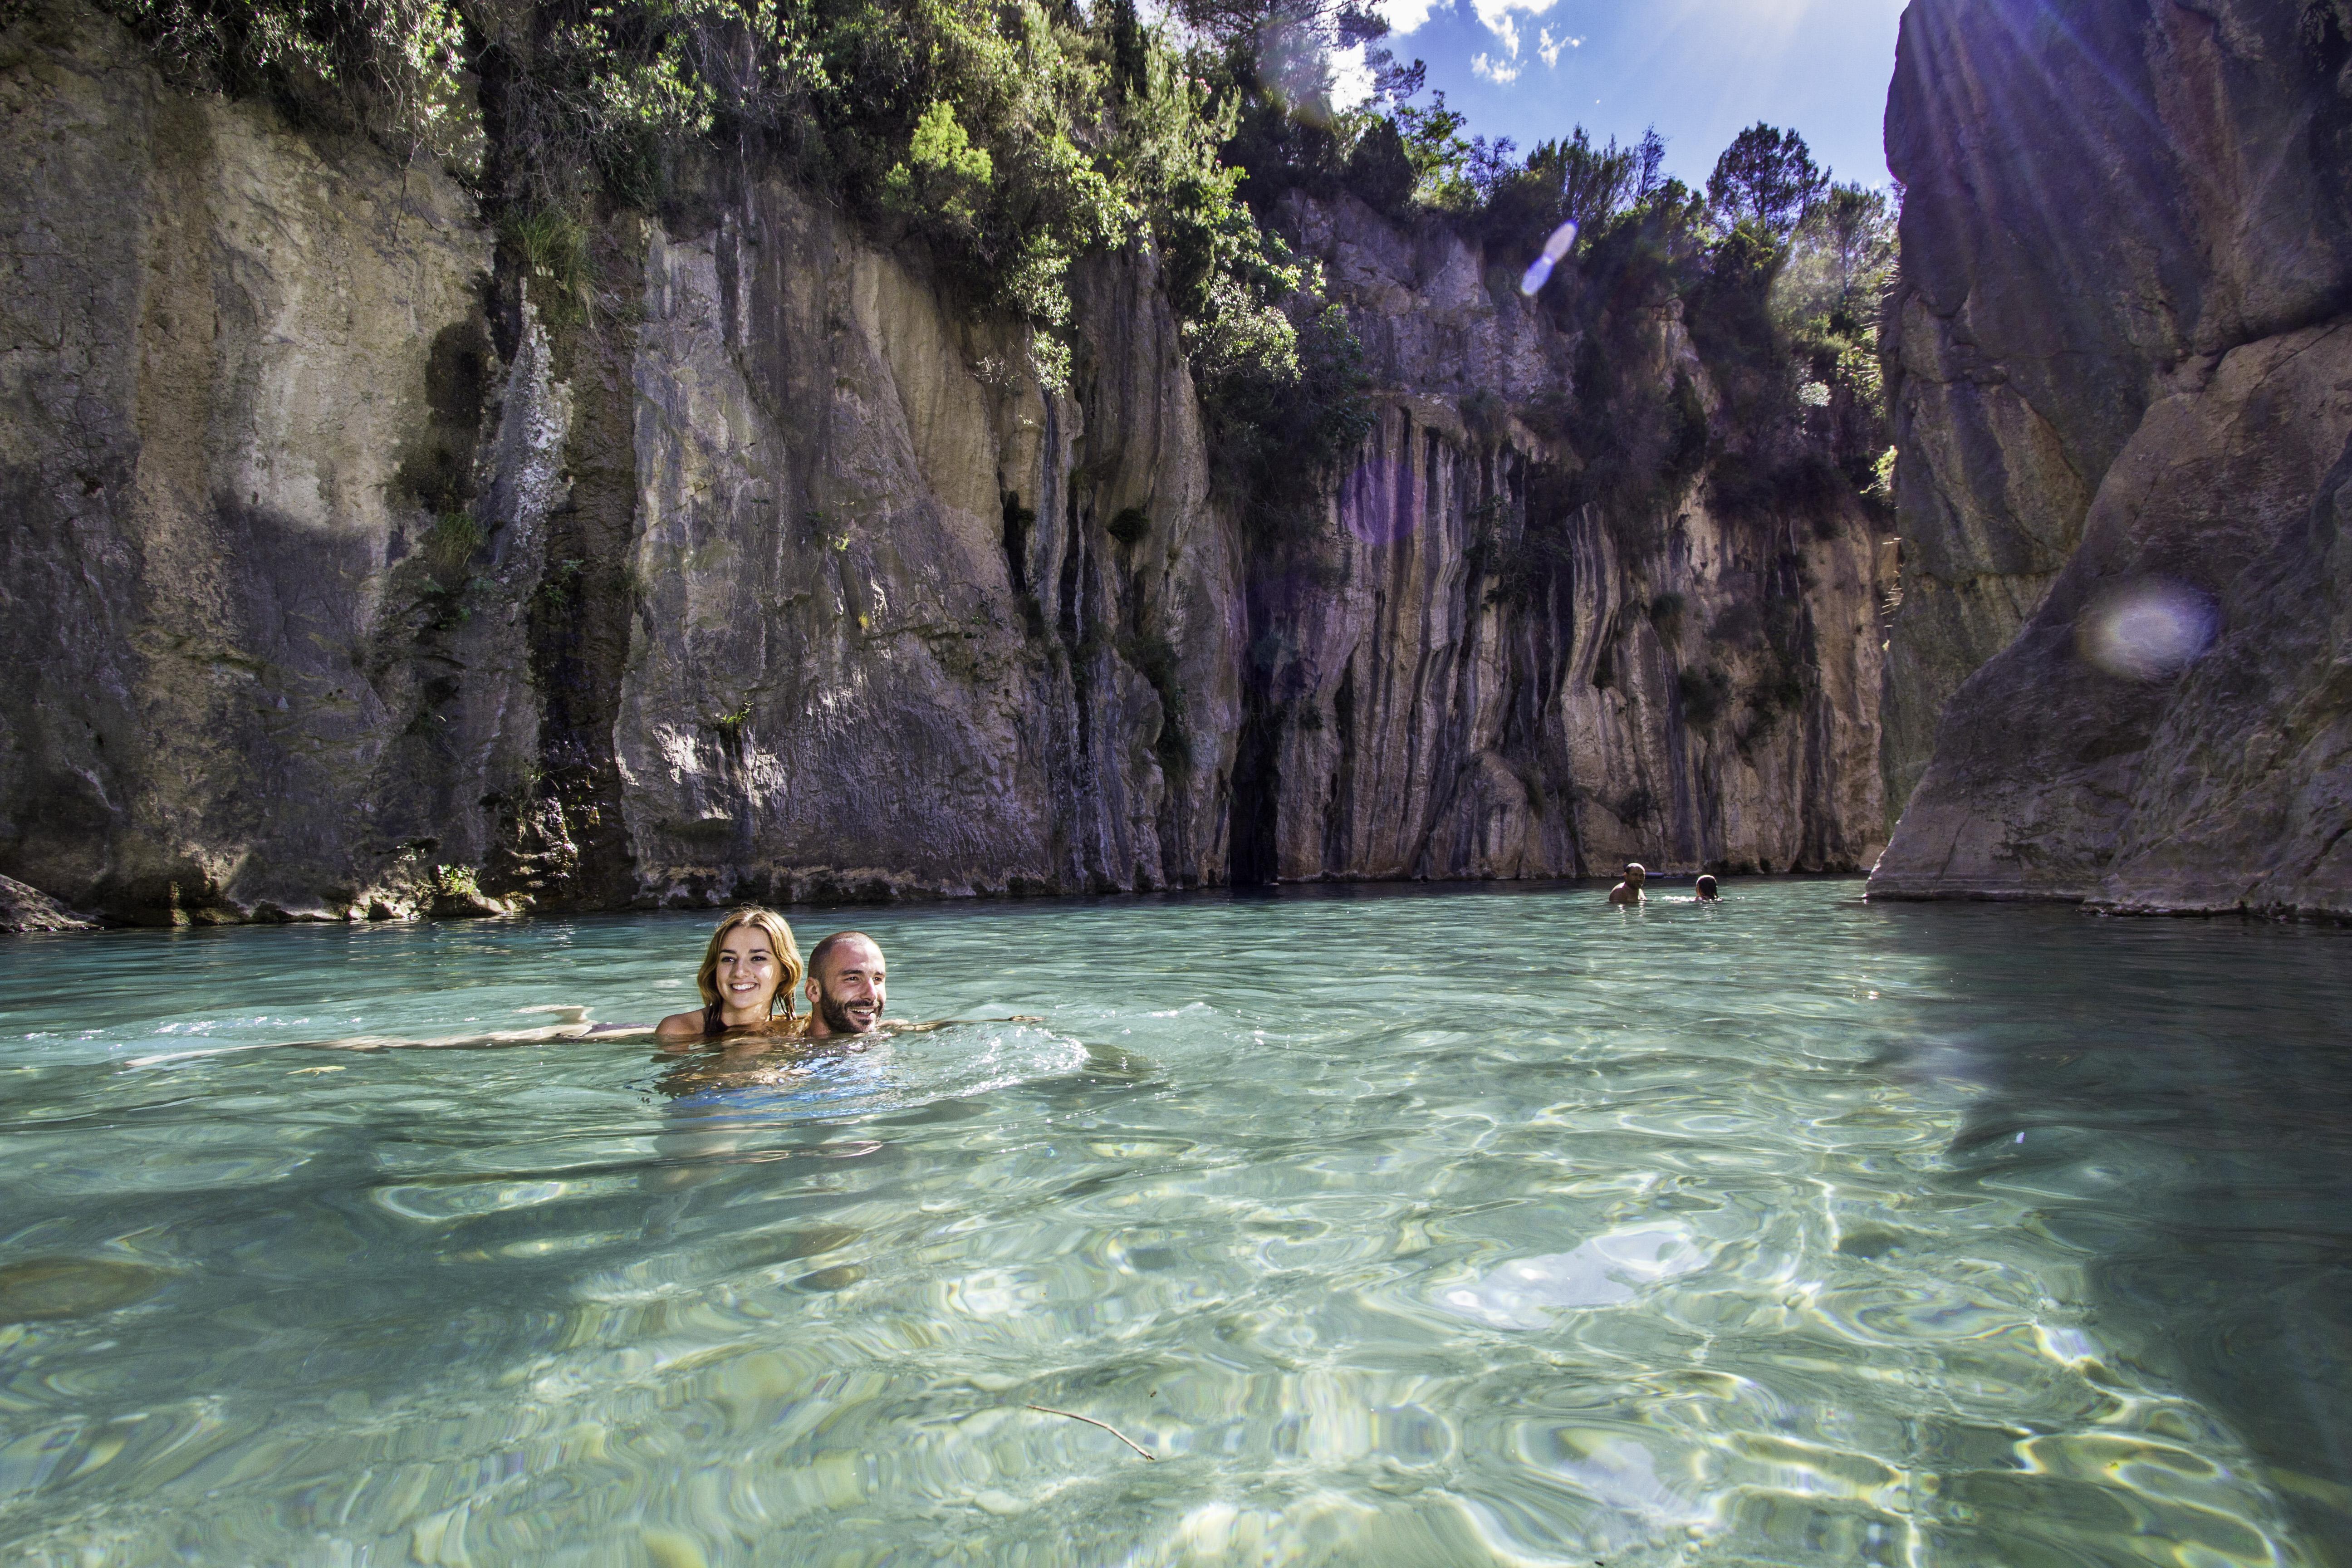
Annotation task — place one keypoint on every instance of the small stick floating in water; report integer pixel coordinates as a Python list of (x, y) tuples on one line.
[(1104, 1425)]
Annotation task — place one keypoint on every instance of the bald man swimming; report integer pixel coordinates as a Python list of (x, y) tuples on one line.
[(848, 986)]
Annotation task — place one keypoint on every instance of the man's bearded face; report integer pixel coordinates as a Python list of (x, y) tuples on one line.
[(851, 989)]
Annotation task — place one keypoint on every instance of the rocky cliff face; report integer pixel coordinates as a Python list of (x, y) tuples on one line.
[(1463, 677), (241, 376), (2127, 256), (354, 572)]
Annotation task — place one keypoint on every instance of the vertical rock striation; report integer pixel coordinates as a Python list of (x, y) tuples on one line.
[(1466, 675), (2122, 395), (885, 641)]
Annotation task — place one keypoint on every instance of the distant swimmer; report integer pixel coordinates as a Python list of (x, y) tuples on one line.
[(1629, 891), (1706, 893), (750, 968)]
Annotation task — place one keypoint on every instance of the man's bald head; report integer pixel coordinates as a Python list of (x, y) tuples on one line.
[(827, 947)]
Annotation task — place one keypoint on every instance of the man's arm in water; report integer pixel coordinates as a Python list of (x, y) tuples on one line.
[(904, 1026)]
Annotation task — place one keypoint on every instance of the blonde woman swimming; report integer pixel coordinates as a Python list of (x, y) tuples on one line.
[(750, 969)]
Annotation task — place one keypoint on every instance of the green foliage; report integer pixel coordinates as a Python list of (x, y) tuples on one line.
[(455, 882), (950, 175), (1007, 140), (1129, 525), (999, 143), (1440, 155), (449, 544), (553, 247), (1155, 659), (1824, 302), (1380, 169), (394, 67), (1804, 483), (1766, 177), (1283, 426), (1568, 181)]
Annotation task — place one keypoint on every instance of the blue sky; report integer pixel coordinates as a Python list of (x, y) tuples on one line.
[(1700, 70)]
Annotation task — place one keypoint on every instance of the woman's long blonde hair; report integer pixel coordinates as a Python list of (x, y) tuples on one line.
[(780, 942)]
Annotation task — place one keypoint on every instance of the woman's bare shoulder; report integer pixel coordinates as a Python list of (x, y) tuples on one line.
[(680, 1026)]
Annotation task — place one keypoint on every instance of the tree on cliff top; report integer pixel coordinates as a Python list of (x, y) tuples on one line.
[(1766, 177), (1002, 141)]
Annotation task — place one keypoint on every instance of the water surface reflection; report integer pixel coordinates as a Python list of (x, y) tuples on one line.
[(1422, 1227)]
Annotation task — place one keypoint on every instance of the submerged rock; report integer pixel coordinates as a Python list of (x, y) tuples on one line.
[(1608, 1270), (38, 1288)]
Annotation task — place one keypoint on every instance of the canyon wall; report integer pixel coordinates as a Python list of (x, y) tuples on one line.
[(1461, 678), (356, 571), (2123, 392)]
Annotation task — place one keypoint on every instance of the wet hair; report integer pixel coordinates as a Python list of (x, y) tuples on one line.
[(1707, 887), (1633, 865), (823, 949), (780, 942)]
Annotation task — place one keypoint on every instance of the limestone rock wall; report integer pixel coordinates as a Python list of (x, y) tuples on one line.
[(353, 571), (1431, 711), (885, 640), (241, 376), (2126, 251)]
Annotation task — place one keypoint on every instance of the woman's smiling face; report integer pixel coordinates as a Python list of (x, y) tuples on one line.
[(747, 974)]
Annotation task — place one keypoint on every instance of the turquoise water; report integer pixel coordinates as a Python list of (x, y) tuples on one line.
[(1418, 1226)]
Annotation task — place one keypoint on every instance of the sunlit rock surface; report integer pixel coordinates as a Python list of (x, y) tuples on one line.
[(885, 642), (354, 571), (2125, 253), (1428, 714)]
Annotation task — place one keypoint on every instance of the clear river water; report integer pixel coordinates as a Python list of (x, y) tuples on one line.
[(1399, 1226)]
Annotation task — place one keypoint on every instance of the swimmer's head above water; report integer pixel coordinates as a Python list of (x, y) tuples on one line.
[(748, 972), (846, 986), (1706, 893), (1629, 891)]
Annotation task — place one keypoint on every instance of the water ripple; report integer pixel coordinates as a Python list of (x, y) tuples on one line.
[(1461, 1226)]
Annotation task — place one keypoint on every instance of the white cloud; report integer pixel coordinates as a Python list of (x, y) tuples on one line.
[(1351, 78), (1496, 16), (1499, 72), (1404, 15), (1548, 47)]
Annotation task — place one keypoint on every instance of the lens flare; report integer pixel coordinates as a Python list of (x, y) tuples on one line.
[(2148, 629), (1539, 270)]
